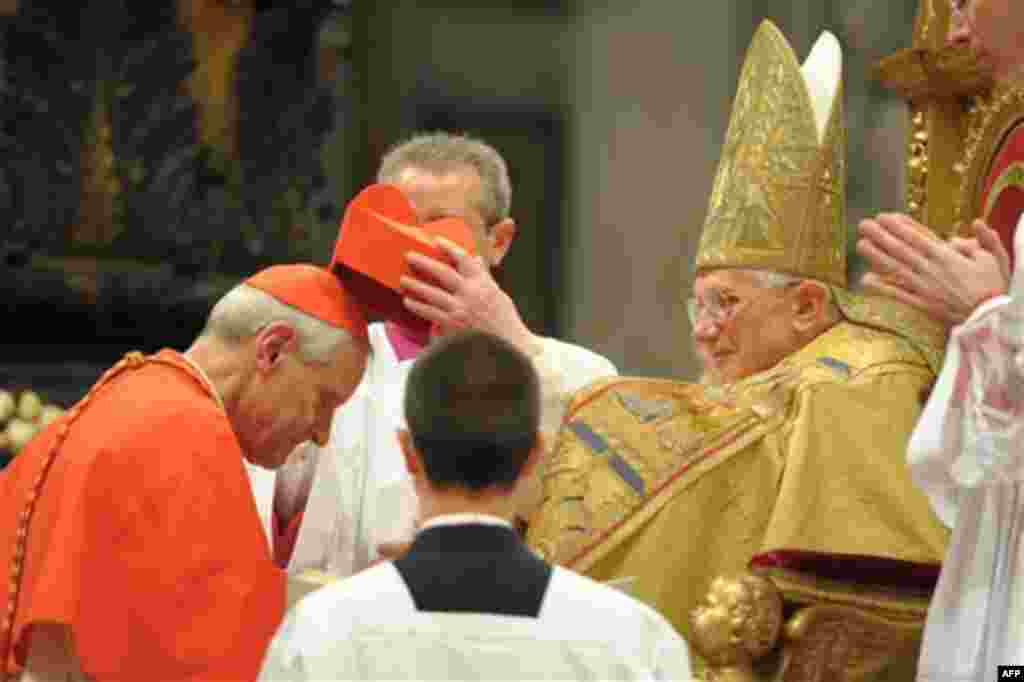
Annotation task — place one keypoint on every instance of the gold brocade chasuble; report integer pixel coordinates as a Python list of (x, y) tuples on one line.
[(673, 483)]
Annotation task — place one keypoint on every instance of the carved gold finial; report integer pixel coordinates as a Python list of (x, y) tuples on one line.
[(917, 166), (989, 121), (738, 622), (937, 79)]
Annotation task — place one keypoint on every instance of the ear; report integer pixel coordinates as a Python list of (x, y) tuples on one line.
[(533, 459), (409, 453), (810, 305), (500, 238), (272, 342)]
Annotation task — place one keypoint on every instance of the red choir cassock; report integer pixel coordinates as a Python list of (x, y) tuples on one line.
[(130, 521)]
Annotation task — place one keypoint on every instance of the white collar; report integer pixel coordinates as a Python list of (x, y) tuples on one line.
[(464, 519)]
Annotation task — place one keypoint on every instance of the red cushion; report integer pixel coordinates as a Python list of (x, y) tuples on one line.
[(853, 568)]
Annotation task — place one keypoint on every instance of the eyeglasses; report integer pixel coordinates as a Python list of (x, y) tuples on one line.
[(720, 308), (716, 307)]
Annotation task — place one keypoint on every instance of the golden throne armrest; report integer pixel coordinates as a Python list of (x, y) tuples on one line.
[(802, 628), (847, 644)]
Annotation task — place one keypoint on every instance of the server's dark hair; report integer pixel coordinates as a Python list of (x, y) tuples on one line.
[(472, 405)]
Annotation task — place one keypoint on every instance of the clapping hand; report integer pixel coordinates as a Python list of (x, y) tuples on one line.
[(946, 280)]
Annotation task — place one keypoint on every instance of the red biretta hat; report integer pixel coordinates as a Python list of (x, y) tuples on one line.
[(314, 291), (378, 230)]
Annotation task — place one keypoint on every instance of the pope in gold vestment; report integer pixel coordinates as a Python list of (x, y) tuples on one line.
[(796, 460), (671, 485)]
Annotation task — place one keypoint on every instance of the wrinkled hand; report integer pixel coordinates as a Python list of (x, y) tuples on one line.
[(946, 280), (464, 297)]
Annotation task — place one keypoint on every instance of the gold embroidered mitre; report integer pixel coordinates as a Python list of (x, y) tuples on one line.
[(778, 200)]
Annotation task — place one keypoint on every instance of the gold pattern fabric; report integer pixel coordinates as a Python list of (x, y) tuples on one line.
[(927, 336), (778, 199), (674, 484)]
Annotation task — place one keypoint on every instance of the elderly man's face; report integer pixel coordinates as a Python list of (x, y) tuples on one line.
[(994, 29), (741, 327), (290, 401)]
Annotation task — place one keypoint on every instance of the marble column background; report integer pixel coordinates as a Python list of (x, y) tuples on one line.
[(650, 86)]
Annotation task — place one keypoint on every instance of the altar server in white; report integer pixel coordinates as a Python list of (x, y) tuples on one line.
[(469, 601), (967, 453)]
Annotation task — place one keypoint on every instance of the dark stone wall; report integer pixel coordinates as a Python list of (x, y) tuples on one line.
[(186, 219)]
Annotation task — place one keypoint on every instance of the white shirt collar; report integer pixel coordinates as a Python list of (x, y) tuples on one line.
[(464, 519)]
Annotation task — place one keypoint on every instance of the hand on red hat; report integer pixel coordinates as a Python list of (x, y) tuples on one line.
[(463, 297)]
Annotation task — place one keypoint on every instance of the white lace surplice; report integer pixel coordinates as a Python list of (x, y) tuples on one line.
[(967, 454)]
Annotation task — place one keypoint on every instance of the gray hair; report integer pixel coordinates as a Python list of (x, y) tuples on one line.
[(245, 311), (444, 152), (772, 279)]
